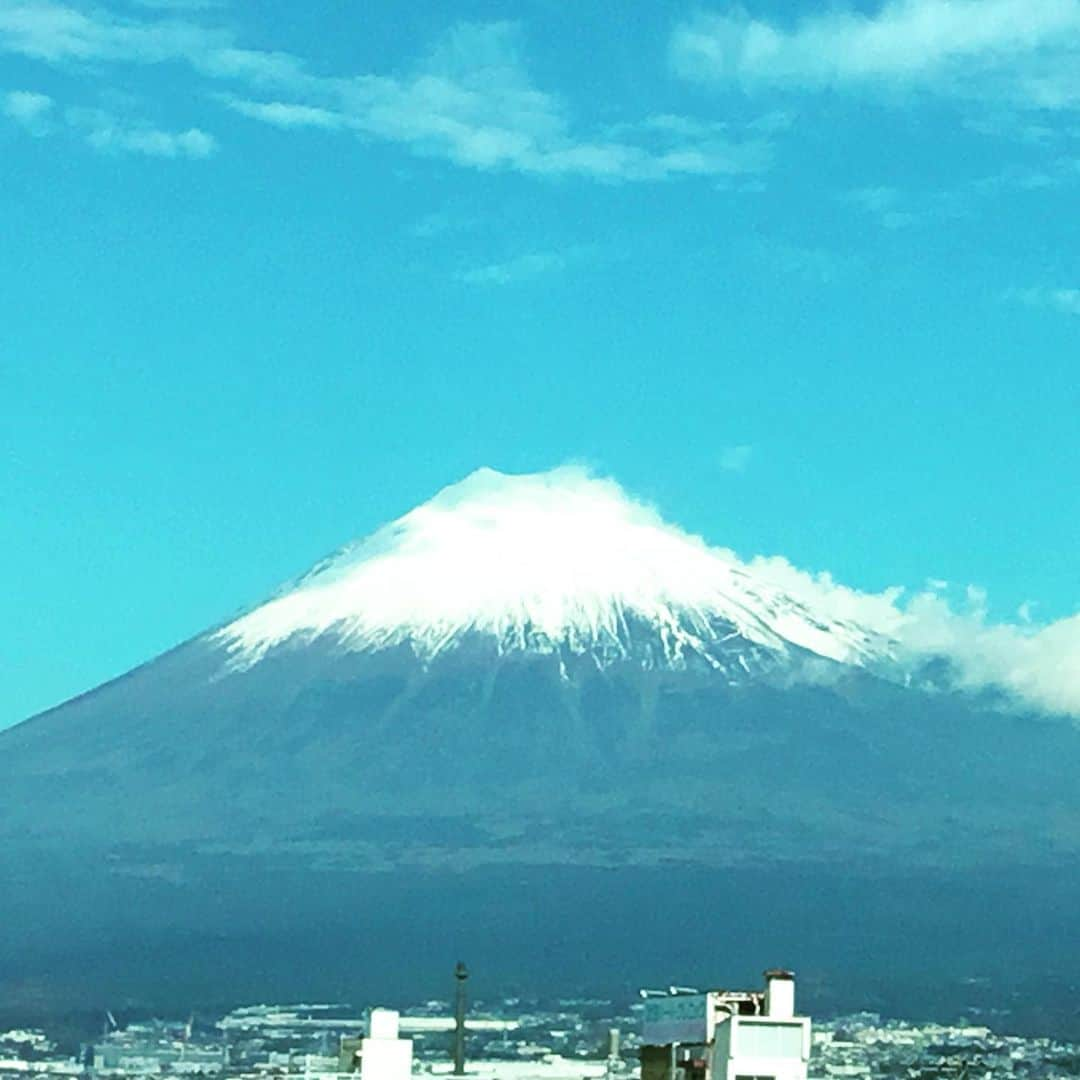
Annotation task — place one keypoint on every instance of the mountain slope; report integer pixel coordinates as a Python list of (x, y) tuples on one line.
[(526, 679), (541, 664)]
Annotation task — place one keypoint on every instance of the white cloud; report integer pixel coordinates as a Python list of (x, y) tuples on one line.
[(440, 223), (1027, 48), (106, 133), (1067, 301), (736, 458), (286, 115), (30, 110), (178, 5), (102, 130), (823, 266), (1038, 665), (522, 268), (886, 204), (895, 209), (469, 101), (56, 32)]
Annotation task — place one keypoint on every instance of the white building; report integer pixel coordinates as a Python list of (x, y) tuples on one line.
[(772, 1046), (383, 1055), (726, 1034)]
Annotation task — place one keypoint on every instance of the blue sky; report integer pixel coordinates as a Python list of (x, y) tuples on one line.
[(804, 276)]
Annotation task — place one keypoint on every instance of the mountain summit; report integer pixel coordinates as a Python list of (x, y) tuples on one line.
[(557, 562)]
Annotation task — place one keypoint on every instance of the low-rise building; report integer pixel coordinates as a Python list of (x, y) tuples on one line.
[(726, 1034)]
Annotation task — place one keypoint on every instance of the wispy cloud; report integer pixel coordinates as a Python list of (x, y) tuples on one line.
[(440, 223), (285, 114), (59, 33), (470, 100), (882, 202), (178, 5), (107, 133), (736, 458), (1027, 49), (1066, 301), (38, 114), (895, 209), (823, 266), (510, 271), (30, 110)]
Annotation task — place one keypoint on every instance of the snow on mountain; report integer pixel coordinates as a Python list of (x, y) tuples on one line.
[(556, 561)]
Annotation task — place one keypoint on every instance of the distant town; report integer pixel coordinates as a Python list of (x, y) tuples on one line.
[(674, 1033)]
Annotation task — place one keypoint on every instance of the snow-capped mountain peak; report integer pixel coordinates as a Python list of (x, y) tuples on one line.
[(555, 561)]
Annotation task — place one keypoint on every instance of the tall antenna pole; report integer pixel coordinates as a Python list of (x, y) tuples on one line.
[(461, 975)]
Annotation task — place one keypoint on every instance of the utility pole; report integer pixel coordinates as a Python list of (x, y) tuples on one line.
[(460, 975)]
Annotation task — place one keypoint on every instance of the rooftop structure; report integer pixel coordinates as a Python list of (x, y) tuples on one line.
[(383, 1054), (726, 1034)]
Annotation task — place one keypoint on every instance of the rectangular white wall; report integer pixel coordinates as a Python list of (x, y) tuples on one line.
[(762, 1048), (386, 1059)]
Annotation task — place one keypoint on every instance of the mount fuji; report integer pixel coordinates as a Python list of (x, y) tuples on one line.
[(526, 691)]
